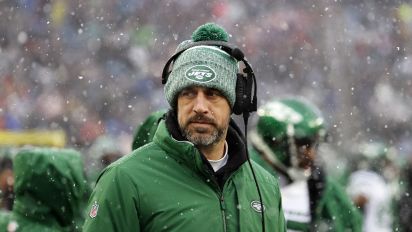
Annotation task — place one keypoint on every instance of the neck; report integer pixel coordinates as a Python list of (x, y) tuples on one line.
[(214, 151)]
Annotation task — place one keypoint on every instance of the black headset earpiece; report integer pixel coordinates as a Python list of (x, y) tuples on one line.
[(246, 101), (241, 97)]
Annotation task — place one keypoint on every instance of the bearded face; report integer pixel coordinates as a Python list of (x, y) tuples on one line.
[(203, 115), (202, 131)]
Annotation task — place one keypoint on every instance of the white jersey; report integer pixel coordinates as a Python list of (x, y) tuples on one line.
[(377, 211), (295, 202)]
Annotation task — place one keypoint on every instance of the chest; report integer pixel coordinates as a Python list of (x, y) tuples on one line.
[(176, 201)]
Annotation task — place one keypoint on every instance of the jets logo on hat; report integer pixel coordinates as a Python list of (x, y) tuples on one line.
[(200, 73), (257, 206), (94, 209)]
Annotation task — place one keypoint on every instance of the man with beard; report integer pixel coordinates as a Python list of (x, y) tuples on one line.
[(195, 175)]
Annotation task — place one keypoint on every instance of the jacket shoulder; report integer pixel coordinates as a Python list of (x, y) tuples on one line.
[(149, 150), (134, 161)]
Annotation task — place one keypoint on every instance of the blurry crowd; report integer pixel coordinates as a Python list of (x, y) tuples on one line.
[(92, 68), (89, 67)]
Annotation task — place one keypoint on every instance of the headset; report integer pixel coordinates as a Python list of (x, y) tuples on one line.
[(245, 103), (246, 100)]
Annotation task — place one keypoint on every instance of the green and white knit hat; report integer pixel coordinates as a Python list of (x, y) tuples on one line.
[(205, 66)]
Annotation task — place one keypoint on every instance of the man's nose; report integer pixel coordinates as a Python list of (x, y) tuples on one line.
[(201, 103)]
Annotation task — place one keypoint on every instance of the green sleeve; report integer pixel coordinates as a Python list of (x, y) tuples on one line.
[(337, 205), (113, 205)]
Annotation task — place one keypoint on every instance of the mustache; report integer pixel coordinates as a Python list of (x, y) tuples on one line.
[(200, 118)]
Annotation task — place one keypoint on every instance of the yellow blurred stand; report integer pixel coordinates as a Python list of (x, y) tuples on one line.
[(56, 138)]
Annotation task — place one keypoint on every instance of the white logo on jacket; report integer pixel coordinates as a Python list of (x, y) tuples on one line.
[(257, 206)]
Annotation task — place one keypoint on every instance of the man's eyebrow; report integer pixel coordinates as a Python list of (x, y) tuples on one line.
[(215, 91)]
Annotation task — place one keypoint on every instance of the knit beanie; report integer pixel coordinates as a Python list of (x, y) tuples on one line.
[(204, 65)]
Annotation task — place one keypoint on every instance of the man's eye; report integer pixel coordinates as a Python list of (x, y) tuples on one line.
[(187, 93), (214, 93)]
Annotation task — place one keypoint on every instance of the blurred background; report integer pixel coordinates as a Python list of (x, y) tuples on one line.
[(86, 74), (72, 72), (92, 68)]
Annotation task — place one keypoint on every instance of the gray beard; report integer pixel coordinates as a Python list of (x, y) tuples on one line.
[(200, 139)]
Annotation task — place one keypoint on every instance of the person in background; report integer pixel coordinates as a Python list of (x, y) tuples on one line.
[(369, 185), (6, 178), (404, 204), (146, 130), (49, 187), (195, 174), (285, 142), (104, 151)]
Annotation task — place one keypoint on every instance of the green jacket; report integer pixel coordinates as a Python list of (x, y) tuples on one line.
[(167, 185), (49, 191), (333, 210)]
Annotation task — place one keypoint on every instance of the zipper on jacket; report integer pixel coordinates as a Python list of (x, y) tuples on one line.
[(222, 203), (223, 209), (219, 193)]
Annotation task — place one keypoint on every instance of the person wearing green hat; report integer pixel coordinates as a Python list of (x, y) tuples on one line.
[(146, 130), (49, 187), (195, 174), (288, 134)]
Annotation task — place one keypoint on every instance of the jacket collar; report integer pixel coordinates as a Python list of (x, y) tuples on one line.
[(172, 141)]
